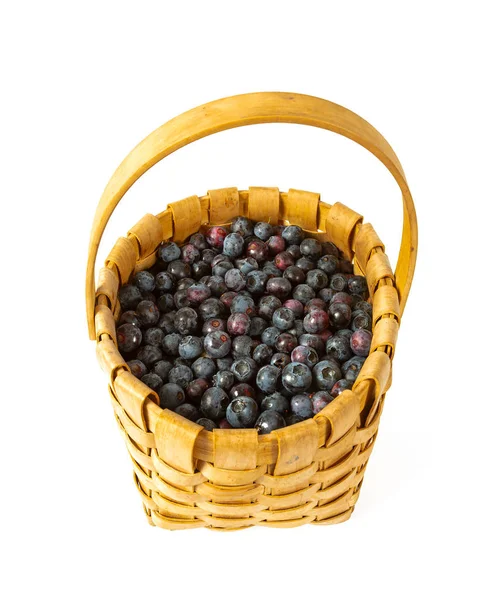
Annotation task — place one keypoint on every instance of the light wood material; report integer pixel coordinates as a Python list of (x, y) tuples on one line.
[(237, 111), (231, 479)]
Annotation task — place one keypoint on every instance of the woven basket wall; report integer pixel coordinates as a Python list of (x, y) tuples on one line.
[(310, 472)]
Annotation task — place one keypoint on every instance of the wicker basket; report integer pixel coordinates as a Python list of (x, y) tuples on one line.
[(229, 479)]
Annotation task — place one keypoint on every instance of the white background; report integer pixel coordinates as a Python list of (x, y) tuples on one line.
[(82, 83)]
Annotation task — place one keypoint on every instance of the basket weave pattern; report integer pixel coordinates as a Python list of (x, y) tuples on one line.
[(310, 472), (307, 473)]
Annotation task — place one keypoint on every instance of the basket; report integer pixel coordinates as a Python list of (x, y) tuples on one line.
[(310, 472)]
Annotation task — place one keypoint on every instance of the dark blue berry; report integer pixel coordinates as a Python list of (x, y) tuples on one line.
[(238, 324), (256, 282), (339, 314), (204, 367), (306, 264), (361, 320), (170, 344), (152, 380), (169, 252), (303, 293), (197, 293), (279, 286), (198, 240), (263, 231), (244, 369), (243, 345), (242, 412), (189, 411), (171, 395), (195, 390), (190, 253), (179, 269), (277, 402), (129, 316), (149, 355), (340, 386), (212, 308), (153, 336), (314, 341), (326, 374), (269, 421), (262, 354), (233, 245), (328, 263), (320, 400), (306, 355), (162, 368), (215, 237), (217, 344), (207, 424), (257, 327), (190, 347), (301, 405), (242, 389), (214, 403), (129, 297), (235, 280), (360, 342), (286, 342), (129, 338), (164, 282), (317, 279), (338, 347), (270, 336), (267, 305), (268, 379), (296, 377), (258, 250), (181, 375), (295, 275), (280, 359), (283, 318), (243, 226), (223, 379), (351, 368), (293, 234), (137, 368), (145, 281), (186, 321), (222, 268)]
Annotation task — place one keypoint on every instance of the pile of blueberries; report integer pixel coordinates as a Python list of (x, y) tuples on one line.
[(259, 326)]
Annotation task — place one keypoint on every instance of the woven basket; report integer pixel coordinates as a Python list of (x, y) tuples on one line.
[(310, 472)]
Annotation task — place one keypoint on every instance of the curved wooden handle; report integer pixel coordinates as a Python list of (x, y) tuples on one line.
[(251, 109)]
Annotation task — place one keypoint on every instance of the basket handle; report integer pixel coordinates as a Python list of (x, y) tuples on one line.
[(251, 109)]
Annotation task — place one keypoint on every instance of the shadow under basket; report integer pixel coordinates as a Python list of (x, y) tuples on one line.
[(229, 479)]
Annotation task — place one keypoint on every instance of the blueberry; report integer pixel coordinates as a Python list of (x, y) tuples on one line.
[(283, 318), (346, 333), (190, 254), (186, 321), (179, 269), (166, 302), (328, 263), (262, 354), (243, 304), (129, 316), (361, 320), (171, 343), (268, 379), (320, 400), (137, 368), (197, 293), (222, 268), (339, 314), (215, 237), (246, 265), (351, 368), (257, 250), (129, 338), (316, 321), (153, 336), (314, 304), (270, 269), (326, 294), (303, 293), (162, 368), (167, 323), (190, 346), (243, 226), (208, 255), (358, 285), (224, 364), (145, 281), (339, 386), (214, 403), (235, 280), (360, 342), (257, 327), (256, 282), (242, 412), (212, 308), (295, 306), (298, 328), (129, 297), (238, 324), (276, 402), (198, 240), (189, 411), (242, 389), (269, 421), (244, 369), (195, 390), (279, 286), (280, 359), (207, 424), (293, 234), (149, 355), (295, 275), (180, 299), (366, 307), (331, 249), (270, 336), (168, 252), (263, 231), (305, 264), (314, 341), (296, 377), (276, 245), (181, 375), (200, 268), (338, 282), (224, 424), (223, 379), (342, 297), (164, 282), (326, 374), (293, 420), (243, 345), (217, 344), (311, 248), (267, 305), (184, 283), (233, 245), (338, 347), (152, 380), (306, 355), (286, 342), (317, 279), (301, 405), (204, 367), (213, 325), (171, 395)]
